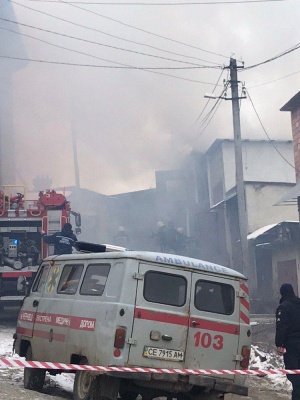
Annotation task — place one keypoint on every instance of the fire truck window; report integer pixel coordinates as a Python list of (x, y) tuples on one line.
[(41, 279), (214, 297), (95, 279), (165, 288), (69, 279)]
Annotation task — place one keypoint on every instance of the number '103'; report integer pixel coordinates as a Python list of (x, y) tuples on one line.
[(207, 340)]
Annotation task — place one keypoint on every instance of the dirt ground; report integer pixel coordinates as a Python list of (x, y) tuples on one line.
[(11, 391)]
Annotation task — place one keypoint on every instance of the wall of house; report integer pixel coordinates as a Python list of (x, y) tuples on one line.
[(284, 254), (261, 162), (260, 198), (295, 115)]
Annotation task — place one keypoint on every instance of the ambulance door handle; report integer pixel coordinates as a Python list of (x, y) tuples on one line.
[(35, 303), (195, 323), (167, 338)]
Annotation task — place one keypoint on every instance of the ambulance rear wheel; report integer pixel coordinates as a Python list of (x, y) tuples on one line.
[(34, 378), (127, 395), (84, 384)]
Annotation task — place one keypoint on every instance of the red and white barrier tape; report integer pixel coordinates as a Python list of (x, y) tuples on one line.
[(17, 363)]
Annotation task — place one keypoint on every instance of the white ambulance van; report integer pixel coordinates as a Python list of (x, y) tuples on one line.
[(137, 309)]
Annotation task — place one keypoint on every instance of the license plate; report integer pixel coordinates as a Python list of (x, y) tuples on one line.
[(163, 354)]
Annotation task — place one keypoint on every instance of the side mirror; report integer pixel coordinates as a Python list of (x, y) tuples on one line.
[(22, 284)]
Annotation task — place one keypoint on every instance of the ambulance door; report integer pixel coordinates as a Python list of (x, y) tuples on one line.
[(213, 335), (27, 314), (52, 311), (161, 317), (54, 314)]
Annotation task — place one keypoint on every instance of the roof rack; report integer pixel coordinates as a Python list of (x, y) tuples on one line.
[(87, 247)]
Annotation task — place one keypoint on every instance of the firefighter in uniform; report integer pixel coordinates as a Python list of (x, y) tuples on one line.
[(287, 339), (63, 241)]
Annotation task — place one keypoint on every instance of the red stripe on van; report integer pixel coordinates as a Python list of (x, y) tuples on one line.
[(24, 331), (63, 321), (245, 303), (56, 337), (244, 288), (141, 313), (214, 326), (148, 315), (16, 274), (244, 318)]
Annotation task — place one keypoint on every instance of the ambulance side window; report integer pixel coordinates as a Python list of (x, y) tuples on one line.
[(214, 297), (95, 279), (69, 279), (165, 288), (39, 284)]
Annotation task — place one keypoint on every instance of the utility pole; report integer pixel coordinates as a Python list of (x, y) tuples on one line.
[(240, 187)]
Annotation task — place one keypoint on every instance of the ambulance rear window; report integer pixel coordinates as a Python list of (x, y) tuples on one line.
[(165, 288), (214, 297), (95, 279)]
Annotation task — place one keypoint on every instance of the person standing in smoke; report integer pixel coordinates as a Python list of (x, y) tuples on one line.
[(181, 239), (121, 238), (171, 237), (161, 236), (63, 241)]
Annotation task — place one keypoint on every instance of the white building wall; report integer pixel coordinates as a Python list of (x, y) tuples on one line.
[(260, 200), (261, 162)]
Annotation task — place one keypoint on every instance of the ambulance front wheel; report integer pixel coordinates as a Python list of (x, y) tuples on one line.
[(34, 378)]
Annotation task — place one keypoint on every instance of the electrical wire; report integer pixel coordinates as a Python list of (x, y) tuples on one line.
[(206, 121), (206, 104), (141, 30), (274, 80), (105, 33), (284, 53), (266, 133), (96, 65), (102, 44), (167, 4)]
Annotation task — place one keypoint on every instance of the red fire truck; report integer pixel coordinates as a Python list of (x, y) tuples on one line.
[(21, 245)]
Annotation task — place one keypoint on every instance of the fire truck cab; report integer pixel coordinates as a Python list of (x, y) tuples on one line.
[(137, 309), (21, 245)]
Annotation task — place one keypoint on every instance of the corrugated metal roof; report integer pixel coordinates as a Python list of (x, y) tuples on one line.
[(267, 228), (260, 231), (293, 103)]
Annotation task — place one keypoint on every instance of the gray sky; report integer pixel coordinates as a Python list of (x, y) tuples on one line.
[(130, 122)]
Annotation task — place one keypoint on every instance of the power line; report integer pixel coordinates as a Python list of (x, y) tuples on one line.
[(284, 53), (102, 44), (104, 33), (142, 30), (266, 133), (210, 115), (274, 80), (109, 67), (166, 4), (206, 104), (96, 65), (213, 111)]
